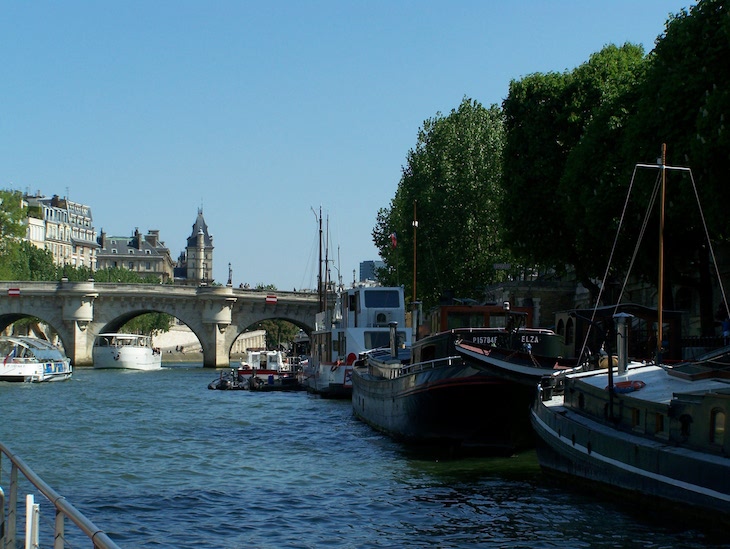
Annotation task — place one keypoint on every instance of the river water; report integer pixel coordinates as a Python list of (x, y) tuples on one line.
[(155, 459)]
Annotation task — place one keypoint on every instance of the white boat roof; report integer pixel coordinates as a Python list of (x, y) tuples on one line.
[(41, 348), (659, 386)]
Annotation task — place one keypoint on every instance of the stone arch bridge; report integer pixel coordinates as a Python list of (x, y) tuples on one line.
[(217, 315)]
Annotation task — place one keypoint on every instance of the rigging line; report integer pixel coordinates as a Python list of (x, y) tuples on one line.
[(608, 265), (709, 243), (642, 232)]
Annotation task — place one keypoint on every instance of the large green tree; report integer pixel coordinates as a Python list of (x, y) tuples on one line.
[(450, 185), (560, 168)]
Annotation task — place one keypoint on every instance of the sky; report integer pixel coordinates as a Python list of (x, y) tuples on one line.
[(264, 113)]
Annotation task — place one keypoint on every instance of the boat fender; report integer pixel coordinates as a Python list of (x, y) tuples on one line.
[(628, 386)]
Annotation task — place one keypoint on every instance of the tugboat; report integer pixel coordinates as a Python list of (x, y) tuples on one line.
[(358, 322), (262, 371)]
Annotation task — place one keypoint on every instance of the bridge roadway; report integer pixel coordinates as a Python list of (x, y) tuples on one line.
[(217, 315)]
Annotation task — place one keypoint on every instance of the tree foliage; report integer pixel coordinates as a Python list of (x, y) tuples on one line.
[(279, 333), (149, 324), (561, 168), (12, 230), (28, 262), (452, 179), (684, 101), (12, 216)]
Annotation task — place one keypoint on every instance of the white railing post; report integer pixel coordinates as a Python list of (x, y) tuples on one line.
[(32, 516)]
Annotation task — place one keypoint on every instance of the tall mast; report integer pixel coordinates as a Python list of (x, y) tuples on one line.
[(660, 284), (320, 294), (325, 297)]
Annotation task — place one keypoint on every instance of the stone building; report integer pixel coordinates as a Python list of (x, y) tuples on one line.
[(195, 264), (145, 255), (63, 227)]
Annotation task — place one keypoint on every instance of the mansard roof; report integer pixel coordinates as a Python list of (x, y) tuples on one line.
[(199, 226), (135, 244)]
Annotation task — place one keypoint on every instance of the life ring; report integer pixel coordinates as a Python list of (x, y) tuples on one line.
[(628, 386)]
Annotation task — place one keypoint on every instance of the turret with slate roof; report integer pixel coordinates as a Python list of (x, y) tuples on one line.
[(195, 265)]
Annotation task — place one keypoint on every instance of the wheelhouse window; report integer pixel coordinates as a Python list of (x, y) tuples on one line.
[(375, 340), (382, 298)]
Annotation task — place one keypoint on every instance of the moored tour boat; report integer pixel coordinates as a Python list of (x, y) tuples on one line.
[(125, 351), (33, 360)]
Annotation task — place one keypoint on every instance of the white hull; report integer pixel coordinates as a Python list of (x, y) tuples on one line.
[(130, 358), (28, 359), (329, 380), (36, 371), (125, 351)]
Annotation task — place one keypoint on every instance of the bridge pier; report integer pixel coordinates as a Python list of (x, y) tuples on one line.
[(78, 313), (217, 304)]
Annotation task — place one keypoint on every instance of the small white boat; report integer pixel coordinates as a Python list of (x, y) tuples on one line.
[(262, 371), (127, 351), (32, 359)]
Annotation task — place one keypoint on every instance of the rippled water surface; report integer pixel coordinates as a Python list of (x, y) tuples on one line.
[(155, 459)]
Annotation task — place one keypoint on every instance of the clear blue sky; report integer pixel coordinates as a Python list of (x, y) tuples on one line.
[(259, 112)]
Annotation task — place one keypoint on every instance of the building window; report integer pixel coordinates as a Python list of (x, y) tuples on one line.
[(131, 266)]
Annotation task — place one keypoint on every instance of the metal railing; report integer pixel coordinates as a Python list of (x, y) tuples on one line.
[(63, 509)]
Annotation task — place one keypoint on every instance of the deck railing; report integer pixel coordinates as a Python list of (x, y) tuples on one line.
[(63, 510)]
